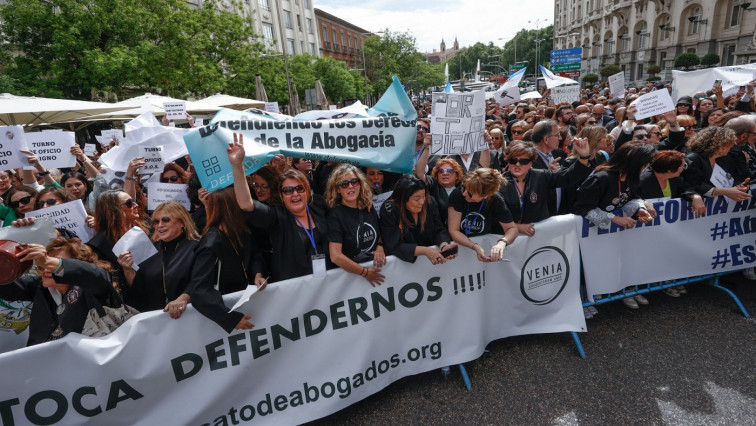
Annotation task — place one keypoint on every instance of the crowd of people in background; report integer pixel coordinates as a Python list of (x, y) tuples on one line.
[(295, 217)]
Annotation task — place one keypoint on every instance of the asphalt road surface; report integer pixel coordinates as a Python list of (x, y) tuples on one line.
[(679, 361)]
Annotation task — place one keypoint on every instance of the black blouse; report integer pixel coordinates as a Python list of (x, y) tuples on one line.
[(403, 244), (480, 218), (356, 230)]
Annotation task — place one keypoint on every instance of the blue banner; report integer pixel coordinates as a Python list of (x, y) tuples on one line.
[(385, 139)]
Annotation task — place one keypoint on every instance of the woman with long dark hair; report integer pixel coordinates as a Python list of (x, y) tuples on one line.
[(411, 224), (227, 260)]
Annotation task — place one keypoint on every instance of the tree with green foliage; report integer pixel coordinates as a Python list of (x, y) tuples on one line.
[(466, 61), (71, 48), (590, 79), (710, 60), (686, 60), (609, 70), (525, 45)]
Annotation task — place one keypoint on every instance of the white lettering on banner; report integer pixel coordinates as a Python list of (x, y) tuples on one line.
[(674, 245), (458, 123), (537, 292), (158, 193), (70, 216), (653, 103), (567, 94), (53, 148)]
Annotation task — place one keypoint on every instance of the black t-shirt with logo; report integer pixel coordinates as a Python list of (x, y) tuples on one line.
[(357, 231), (481, 218)]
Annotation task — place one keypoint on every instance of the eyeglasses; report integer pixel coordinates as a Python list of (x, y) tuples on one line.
[(495, 138), (445, 170), (686, 128), (344, 184), (641, 136), (518, 132), (522, 161), (556, 136), (288, 190), (129, 203), (26, 200), (164, 219), (656, 133), (49, 202), (260, 187), (170, 178)]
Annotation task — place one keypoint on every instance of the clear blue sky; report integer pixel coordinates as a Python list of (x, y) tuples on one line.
[(470, 21)]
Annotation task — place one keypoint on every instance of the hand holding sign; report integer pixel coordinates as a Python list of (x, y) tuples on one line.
[(134, 165), (653, 103)]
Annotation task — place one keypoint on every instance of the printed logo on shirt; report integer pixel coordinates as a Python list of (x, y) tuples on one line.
[(533, 197), (475, 221), (73, 296), (544, 275), (366, 237)]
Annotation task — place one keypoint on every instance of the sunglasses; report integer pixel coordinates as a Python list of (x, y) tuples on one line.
[(643, 136), (344, 184), (169, 179), (164, 219), (26, 200), (518, 132), (522, 161), (129, 203), (593, 122), (257, 187), (445, 170), (48, 202), (495, 138), (288, 190), (423, 129)]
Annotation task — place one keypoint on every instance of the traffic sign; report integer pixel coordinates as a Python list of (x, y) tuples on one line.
[(566, 59), (566, 67), (575, 51), (569, 74), (516, 67)]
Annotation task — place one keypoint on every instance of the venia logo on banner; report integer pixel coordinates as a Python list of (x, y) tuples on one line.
[(544, 275)]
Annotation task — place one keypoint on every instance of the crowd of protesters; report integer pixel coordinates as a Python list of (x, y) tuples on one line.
[(295, 217)]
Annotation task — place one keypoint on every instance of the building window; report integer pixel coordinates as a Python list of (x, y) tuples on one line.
[(624, 40), (308, 21), (268, 32), (335, 39), (307, 4), (664, 29), (290, 43), (694, 25), (299, 22), (735, 13), (312, 49), (640, 72), (728, 54), (264, 4), (287, 18)]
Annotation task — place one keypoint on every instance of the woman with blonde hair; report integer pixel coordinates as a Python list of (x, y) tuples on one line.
[(353, 224), (476, 209), (161, 281)]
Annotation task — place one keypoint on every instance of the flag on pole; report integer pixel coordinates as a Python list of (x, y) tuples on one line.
[(448, 88), (514, 79), (554, 80)]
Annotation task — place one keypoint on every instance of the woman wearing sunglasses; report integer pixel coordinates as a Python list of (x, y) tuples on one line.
[(161, 281), (477, 209), (353, 225), (21, 200), (527, 192), (173, 173), (298, 228), (411, 224), (445, 176)]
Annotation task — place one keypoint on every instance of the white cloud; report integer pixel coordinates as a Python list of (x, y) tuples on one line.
[(471, 21)]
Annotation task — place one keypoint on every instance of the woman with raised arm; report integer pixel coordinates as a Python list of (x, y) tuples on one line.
[(353, 226), (298, 226)]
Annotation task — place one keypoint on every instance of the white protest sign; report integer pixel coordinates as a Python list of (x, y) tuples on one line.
[(199, 122), (41, 232), (90, 149), (158, 193), (70, 216), (653, 103), (153, 157), (109, 134), (53, 148), (458, 122), (12, 140), (720, 178), (272, 107), (567, 94), (687, 83), (175, 110), (333, 107), (507, 95), (136, 242), (617, 84)]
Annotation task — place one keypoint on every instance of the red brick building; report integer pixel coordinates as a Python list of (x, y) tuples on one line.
[(340, 39)]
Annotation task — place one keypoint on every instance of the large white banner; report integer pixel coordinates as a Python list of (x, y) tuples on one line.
[(567, 94), (318, 345), (686, 83), (674, 245), (458, 121)]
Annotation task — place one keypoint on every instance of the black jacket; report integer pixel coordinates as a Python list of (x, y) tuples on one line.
[(402, 245), (649, 186)]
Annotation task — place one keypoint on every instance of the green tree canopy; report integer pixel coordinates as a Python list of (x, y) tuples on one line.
[(69, 48), (609, 70), (686, 60)]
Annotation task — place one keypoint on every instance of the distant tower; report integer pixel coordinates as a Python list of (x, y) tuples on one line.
[(456, 44), (443, 45)]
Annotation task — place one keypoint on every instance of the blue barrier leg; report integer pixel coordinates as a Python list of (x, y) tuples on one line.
[(578, 344), (465, 377), (715, 284)]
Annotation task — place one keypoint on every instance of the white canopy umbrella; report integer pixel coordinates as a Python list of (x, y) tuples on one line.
[(24, 110), (531, 95), (227, 101), (148, 102)]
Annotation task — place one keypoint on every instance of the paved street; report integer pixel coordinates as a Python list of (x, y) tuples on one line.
[(684, 361)]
